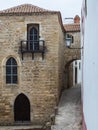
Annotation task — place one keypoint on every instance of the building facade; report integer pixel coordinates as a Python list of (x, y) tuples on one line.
[(89, 20), (31, 64)]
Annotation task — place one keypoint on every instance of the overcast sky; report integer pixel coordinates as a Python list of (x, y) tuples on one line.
[(68, 8)]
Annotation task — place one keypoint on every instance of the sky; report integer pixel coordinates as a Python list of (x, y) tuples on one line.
[(68, 8)]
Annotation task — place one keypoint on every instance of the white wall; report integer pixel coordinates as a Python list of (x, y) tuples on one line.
[(77, 64), (90, 66)]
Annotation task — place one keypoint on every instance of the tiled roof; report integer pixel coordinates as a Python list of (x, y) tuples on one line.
[(30, 9), (25, 8), (75, 27)]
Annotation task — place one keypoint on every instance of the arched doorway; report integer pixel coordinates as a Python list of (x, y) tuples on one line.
[(21, 108), (72, 73)]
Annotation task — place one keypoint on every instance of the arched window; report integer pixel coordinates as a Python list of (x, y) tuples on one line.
[(11, 71), (33, 37)]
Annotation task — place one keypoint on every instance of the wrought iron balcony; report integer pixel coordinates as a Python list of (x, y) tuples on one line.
[(30, 46)]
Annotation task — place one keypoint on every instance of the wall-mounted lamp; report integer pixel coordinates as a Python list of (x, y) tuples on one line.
[(68, 43)]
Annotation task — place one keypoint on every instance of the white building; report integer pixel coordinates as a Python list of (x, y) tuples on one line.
[(89, 40)]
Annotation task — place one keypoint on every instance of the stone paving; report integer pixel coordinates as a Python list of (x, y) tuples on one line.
[(69, 111)]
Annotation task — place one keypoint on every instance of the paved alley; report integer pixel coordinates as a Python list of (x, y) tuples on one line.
[(69, 111)]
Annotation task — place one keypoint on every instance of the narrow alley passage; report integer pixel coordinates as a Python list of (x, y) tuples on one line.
[(69, 110)]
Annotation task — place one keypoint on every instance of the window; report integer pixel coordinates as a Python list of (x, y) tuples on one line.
[(33, 36), (76, 63), (71, 37), (79, 65), (11, 71)]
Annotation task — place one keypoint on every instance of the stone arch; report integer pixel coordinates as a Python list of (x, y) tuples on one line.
[(22, 108), (14, 56), (69, 73)]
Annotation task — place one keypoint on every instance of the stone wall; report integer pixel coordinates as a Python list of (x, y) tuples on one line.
[(39, 80), (70, 56), (73, 53), (62, 57)]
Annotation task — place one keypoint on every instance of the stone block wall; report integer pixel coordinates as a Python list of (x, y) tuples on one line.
[(62, 58), (39, 80), (70, 56)]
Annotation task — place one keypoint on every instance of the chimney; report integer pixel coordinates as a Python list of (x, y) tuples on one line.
[(76, 19)]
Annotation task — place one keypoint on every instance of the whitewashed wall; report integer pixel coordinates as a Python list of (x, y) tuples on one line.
[(90, 66)]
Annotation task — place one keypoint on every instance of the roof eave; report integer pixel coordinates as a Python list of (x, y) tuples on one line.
[(72, 31), (25, 13)]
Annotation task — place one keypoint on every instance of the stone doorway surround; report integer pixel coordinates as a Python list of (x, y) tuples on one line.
[(21, 109)]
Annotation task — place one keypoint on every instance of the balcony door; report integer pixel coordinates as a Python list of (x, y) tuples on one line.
[(33, 37)]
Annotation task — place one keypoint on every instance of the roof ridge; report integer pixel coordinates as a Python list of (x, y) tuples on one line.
[(25, 8)]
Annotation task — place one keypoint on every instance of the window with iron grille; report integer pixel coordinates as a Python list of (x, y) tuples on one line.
[(11, 71)]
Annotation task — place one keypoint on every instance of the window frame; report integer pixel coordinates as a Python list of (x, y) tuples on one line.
[(11, 71), (33, 43)]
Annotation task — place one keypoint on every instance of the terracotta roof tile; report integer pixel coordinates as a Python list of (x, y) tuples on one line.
[(72, 27), (30, 9), (25, 8)]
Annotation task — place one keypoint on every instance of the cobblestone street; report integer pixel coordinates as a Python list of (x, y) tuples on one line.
[(69, 111)]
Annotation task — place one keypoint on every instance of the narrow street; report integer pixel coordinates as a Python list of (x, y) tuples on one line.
[(69, 111)]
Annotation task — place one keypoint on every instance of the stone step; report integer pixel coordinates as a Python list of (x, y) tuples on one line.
[(21, 127)]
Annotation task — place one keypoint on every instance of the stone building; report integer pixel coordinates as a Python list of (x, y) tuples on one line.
[(72, 54), (31, 64)]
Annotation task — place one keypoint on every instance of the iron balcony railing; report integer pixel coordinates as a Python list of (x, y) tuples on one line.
[(31, 46)]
